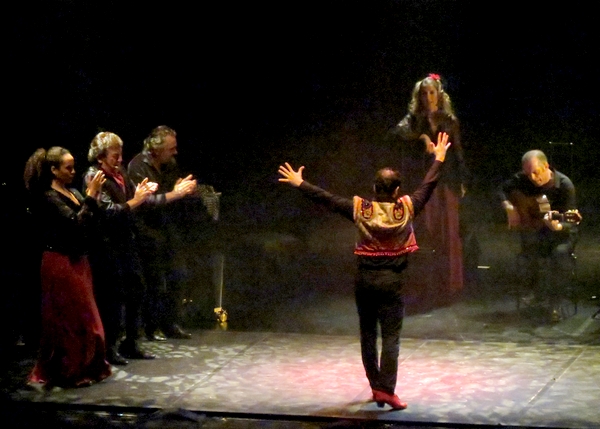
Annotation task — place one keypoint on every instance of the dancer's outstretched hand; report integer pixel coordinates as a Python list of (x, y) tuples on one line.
[(441, 147), (290, 176)]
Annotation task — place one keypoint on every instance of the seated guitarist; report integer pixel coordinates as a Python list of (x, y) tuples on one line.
[(540, 203)]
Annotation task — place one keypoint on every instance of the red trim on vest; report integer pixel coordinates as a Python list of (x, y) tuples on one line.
[(409, 249)]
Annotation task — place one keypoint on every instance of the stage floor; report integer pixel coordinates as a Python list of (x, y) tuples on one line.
[(299, 377), (290, 357)]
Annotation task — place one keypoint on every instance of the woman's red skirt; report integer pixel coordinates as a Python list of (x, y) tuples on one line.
[(72, 349)]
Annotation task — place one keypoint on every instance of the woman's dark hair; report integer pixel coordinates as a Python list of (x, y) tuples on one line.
[(38, 168)]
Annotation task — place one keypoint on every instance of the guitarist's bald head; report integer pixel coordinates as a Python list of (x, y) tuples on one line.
[(535, 167), (534, 154)]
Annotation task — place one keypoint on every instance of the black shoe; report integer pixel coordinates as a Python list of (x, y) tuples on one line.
[(175, 332), (134, 352), (155, 335), (115, 358)]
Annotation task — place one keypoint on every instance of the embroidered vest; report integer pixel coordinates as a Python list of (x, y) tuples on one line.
[(384, 229)]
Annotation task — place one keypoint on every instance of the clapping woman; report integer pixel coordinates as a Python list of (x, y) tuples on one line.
[(72, 350)]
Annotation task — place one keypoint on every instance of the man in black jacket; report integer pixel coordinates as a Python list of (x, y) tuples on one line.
[(116, 264), (163, 301)]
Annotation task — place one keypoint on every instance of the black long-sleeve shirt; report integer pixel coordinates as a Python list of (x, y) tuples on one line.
[(65, 225), (559, 191)]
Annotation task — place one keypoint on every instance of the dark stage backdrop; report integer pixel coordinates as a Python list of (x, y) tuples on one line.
[(249, 85)]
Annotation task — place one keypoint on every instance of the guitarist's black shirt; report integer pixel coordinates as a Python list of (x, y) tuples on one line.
[(559, 191)]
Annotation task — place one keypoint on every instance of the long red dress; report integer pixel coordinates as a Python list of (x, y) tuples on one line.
[(438, 230), (72, 349)]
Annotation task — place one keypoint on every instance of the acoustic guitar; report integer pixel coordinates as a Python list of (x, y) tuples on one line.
[(532, 209)]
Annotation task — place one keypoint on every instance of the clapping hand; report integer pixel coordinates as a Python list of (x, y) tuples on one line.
[(428, 143), (95, 185), (152, 186), (185, 186), (144, 189)]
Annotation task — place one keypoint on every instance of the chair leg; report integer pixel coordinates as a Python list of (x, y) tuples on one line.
[(574, 289)]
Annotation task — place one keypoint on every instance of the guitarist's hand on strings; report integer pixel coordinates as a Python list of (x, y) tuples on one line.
[(514, 220), (554, 225)]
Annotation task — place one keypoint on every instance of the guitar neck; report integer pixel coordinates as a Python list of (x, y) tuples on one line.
[(570, 216)]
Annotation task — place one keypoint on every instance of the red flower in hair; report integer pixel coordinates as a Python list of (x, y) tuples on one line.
[(434, 76)]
